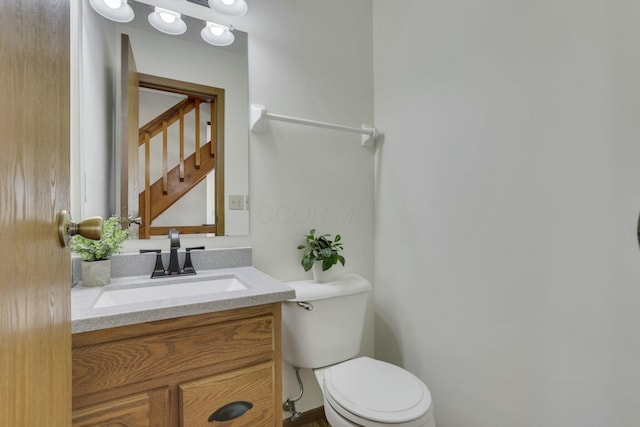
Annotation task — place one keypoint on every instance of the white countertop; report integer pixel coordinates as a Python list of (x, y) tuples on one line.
[(260, 289)]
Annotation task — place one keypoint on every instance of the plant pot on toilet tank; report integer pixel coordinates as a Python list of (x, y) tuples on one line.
[(96, 267), (322, 255)]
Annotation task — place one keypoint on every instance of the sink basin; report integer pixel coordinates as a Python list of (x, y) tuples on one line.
[(155, 292)]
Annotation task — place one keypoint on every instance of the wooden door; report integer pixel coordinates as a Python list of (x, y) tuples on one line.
[(129, 136), (35, 327)]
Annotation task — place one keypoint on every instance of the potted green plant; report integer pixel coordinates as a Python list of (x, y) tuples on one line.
[(96, 268), (320, 254)]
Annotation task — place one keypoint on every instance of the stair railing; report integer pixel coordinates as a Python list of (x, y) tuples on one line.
[(194, 168)]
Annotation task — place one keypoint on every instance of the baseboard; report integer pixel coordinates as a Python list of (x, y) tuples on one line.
[(316, 414)]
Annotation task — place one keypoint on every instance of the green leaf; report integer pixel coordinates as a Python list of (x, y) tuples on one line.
[(323, 243), (334, 257), (326, 264), (338, 238), (341, 259), (326, 253), (307, 262)]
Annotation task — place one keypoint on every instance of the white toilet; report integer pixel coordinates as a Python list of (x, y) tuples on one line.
[(321, 330)]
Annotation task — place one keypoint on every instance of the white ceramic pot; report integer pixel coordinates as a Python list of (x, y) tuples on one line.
[(329, 275), (96, 273)]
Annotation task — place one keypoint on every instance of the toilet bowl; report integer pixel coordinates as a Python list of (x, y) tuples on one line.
[(321, 330)]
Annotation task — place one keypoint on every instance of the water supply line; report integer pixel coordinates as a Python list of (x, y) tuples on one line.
[(290, 404)]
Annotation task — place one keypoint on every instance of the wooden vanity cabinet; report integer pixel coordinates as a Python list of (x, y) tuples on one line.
[(179, 372)]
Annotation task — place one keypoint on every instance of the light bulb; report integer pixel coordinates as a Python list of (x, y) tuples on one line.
[(229, 7), (167, 21), (115, 10), (216, 31), (169, 18), (113, 4), (217, 35)]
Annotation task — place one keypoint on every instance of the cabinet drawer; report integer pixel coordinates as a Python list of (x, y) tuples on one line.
[(131, 411), (118, 364), (255, 384)]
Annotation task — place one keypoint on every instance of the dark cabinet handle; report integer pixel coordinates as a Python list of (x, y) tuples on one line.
[(230, 411)]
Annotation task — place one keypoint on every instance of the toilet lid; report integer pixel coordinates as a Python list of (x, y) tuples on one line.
[(377, 390)]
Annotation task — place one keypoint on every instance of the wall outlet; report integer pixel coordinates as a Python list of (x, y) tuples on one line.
[(236, 202)]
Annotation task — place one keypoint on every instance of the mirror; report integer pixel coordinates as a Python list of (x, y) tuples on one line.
[(185, 58)]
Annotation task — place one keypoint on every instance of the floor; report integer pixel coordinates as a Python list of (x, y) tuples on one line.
[(315, 424), (313, 418)]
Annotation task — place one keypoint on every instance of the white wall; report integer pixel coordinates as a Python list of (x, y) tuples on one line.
[(93, 117), (508, 192), (311, 60)]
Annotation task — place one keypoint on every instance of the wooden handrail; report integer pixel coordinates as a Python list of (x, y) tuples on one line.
[(154, 126)]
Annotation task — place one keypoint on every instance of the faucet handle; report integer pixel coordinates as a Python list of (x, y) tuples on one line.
[(188, 266), (158, 269)]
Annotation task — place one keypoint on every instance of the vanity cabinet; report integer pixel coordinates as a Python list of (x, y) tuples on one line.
[(181, 372)]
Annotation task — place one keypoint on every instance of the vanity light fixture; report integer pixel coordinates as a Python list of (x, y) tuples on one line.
[(229, 7), (115, 10), (217, 35), (167, 21), (167, 15)]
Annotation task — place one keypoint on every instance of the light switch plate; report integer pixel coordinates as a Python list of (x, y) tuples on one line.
[(236, 202)]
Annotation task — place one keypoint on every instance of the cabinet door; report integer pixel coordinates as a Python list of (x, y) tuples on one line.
[(130, 411), (244, 396)]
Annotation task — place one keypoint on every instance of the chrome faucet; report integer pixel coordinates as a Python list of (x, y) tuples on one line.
[(174, 264)]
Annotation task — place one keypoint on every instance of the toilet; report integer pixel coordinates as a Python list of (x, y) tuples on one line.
[(321, 330)]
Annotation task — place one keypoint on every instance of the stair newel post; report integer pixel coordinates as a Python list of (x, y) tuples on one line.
[(197, 133), (165, 157), (146, 218)]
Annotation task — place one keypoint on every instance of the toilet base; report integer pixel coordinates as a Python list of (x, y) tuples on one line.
[(335, 420)]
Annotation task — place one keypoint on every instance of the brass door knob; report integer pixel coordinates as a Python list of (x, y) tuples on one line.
[(136, 220), (91, 228)]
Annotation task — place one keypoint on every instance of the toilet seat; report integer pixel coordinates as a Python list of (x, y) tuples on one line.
[(371, 392)]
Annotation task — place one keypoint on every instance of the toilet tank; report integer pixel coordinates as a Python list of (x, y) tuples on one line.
[(323, 324)]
